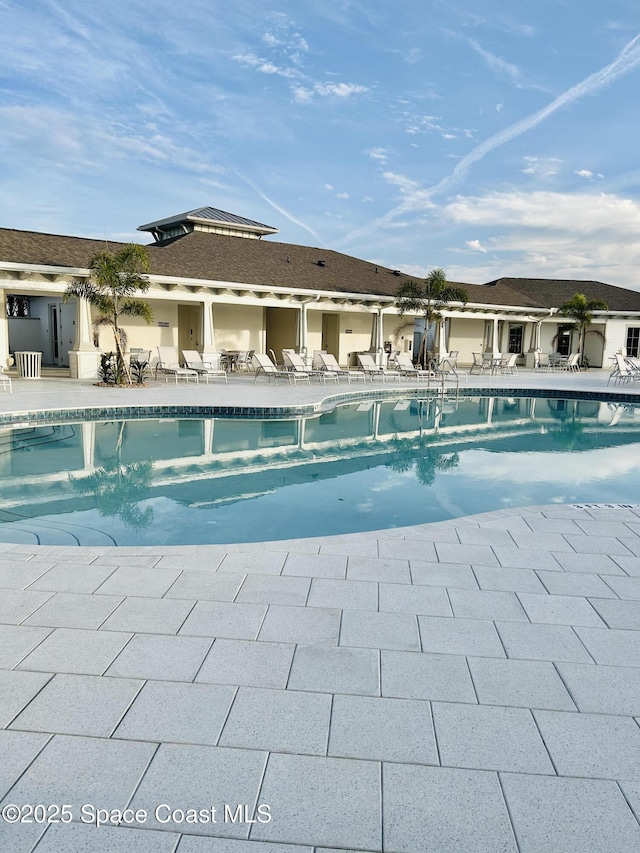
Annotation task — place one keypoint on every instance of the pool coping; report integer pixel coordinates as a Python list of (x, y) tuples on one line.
[(190, 411)]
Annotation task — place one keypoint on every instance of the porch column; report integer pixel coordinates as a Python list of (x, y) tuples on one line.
[(4, 331), (534, 347), (302, 329), (84, 357), (442, 342), (89, 445), (208, 336), (494, 337)]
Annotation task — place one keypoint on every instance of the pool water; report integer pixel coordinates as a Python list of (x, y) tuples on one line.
[(362, 466)]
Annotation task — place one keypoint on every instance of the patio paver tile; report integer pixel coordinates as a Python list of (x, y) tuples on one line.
[(224, 619), (542, 642), (481, 555), (469, 535), (204, 584), (382, 729), (423, 600), (177, 712), (519, 683), (182, 775), (618, 614), (559, 610), (488, 737), (603, 689), (611, 646), (591, 745), (279, 721), (76, 650), (569, 814), (599, 564), (572, 583), (442, 810), (628, 589), (518, 557), (254, 562), (16, 605), (541, 543), (137, 580), (410, 549), (160, 658), (509, 580), (18, 574), (316, 565), (460, 636), (78, 704), (308, 625), (17, 689), (274, 589), (303, 791), (148, 615), (586, 544), (631, 565), (486, 604), (335, 670), (410, 675), (379, 630), (18, 750), (67, 610), (16, 641), (86, 838), (442, 574), (388, 570), (343, 594), (70, 577), (79, 770), (198, 844), (247, 662)]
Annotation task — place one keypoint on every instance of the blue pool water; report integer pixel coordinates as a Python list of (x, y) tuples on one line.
[(362, 466)]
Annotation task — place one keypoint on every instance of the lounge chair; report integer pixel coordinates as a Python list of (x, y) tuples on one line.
[(508, 364), (329, 364), (294, 364), (406, 367), (169, 365), (193, 361), (263, 366), (623, 370), (373, 370), (5, 380)]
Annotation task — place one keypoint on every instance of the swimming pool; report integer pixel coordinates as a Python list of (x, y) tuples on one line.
[(365, 465)]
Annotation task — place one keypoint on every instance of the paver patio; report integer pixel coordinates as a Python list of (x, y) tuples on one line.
[(469, 686)]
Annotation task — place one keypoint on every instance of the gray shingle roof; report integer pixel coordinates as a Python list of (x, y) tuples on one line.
[(213, 257)]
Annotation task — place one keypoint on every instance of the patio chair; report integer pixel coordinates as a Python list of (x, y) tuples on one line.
[(273, 358), (508, 364), (405, 366), (329, 364), (169, 365), (541, 361), (244, 360), (263, 366), (5, 380), (295, 365), (445, 368), (193, 361), (623, 370), (373, 370), (484, 361), (573, 362)]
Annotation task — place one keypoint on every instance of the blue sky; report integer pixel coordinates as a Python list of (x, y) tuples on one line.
[(482, 137)]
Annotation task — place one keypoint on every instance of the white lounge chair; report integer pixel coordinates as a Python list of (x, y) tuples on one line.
[(169, 365), (406, 367), (5, 380), (623, 370), (508, 364), (373, 370), (329, 364), (294, 363), (193, 361), (265, 367)]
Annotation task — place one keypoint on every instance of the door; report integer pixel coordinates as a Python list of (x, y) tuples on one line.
[(189, 327), (330, 336), (55, 334)]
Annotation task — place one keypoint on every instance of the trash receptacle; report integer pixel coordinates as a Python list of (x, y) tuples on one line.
[(28, 364)]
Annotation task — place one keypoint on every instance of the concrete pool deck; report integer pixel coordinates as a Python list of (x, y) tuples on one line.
[(467, 685)]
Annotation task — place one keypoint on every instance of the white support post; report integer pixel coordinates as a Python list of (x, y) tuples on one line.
[(302, 329), (4, 331), (84, 357), (494, 337), (208, 335)]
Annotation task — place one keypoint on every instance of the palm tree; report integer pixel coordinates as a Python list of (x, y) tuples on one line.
[(580, 309), (114, 281), (428, 299)]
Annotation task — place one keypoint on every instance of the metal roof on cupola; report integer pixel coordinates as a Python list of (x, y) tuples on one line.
[(209, 219)]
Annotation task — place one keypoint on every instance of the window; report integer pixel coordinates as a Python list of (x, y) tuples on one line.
[(17, 306), (516, 334), (633, 342)]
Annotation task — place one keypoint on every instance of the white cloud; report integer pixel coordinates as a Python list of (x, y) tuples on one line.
[(379, 154), (302, 95), (264, 66), (342, 195), (449, 136), (339, 90), (476, 245), (542, 167), (499, 108), (328, 186)]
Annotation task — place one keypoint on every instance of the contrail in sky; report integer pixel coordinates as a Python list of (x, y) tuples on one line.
[(625, 61)]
